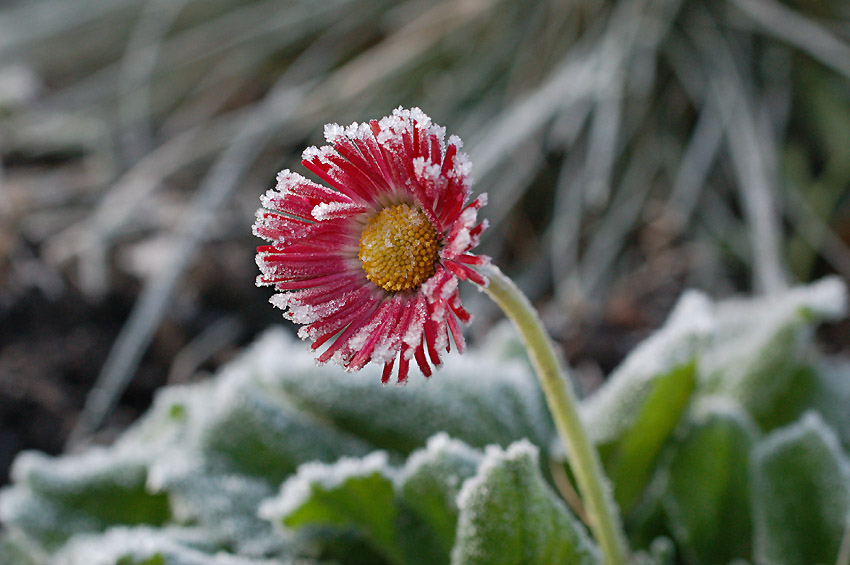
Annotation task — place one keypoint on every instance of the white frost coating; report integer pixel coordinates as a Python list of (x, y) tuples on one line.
[(286, 179), (298, 488), (439, 132), (707, 407), (437, 446), (392, 126), (422, 119), (612, 407), (456, 141), (361, 132), (358, 340), (449, 288), (267, 201), (333, 132), (826, 298), (460, 243), (746, 327), (810, 422), (413, 335), (310, 152), (284, 176), (328, 210), (317, 152), (386, 350), (140, 544), (307, 314), (124, 467), (461, 167), (425, 169), (402, 113), (280, 300), (493, 457)]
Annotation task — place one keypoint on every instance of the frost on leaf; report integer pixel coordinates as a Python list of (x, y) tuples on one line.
[(55, 498), (472, 398), (610, 412), (406, 515), (429, 484), (145, 546), (761, 349), (801, 494), (707, 492), (351, 494), (633, 414), (508, 514)]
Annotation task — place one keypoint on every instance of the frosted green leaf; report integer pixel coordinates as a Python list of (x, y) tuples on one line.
[(472, 398), (56, 497), (832, 397), (236, 424), (429, 484), (143, 546), (801, 494), (632, 415), (351, 494), (15, 549), (508, 514), (252, 434), (761, 349), (225, 506), (708, 496)]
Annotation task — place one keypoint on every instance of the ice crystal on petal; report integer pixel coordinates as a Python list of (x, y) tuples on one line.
[(367, 263), (330, 210), (462, 167), (333, 132), (280, 301)]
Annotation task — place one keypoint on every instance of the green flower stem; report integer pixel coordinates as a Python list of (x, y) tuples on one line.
[(583, 458)]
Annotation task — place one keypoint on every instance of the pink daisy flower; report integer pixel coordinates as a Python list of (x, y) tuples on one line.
[(370, 266)]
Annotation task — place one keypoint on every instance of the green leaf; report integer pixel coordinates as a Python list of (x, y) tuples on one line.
[(761, 350), (708, 496), (225, 506), (351, 494), (252, 434), (508, 514), (57, 497), (633, 414), (832, 397), (801, 494), (472, 398), (428, 487)]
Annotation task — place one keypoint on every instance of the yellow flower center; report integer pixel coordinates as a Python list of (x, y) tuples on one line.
[(398, 248)]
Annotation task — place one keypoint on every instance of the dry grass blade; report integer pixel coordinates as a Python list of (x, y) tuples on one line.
[(148, 311), (756, 184), (134, 86), (799, 31)]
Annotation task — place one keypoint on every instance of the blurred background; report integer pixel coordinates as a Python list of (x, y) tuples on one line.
[(630, 148)]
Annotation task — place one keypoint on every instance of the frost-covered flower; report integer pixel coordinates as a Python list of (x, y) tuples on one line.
[(371, 265)]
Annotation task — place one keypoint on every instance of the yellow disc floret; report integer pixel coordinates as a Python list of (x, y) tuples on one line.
[(398, 248)]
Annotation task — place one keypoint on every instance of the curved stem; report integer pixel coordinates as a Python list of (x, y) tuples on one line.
[(583, 458)]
